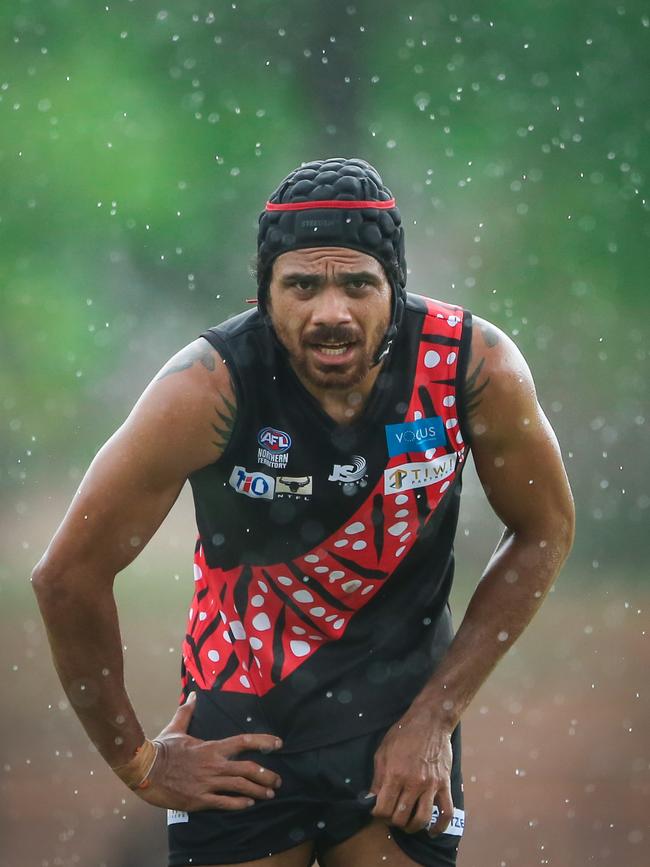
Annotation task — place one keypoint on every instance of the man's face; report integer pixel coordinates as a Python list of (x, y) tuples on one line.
[(330, 307)]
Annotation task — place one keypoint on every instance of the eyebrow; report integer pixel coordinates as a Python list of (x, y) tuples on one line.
[(318, 279)]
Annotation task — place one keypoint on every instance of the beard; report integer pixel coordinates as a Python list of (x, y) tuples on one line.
[(322, 375)]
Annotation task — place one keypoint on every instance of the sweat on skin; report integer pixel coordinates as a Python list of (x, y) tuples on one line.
[(330, 308)]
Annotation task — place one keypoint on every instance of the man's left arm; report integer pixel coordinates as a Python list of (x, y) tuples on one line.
[(520, 467)]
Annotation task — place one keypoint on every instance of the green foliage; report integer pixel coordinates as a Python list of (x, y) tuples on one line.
[(139, 143)]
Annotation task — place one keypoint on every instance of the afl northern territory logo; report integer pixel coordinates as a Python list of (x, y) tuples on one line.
[(273, 447), (274, 440)]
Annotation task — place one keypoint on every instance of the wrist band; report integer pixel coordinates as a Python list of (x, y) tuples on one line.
[(135, 773)]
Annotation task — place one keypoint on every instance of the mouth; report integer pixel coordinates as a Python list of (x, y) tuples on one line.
[(332, 348), (333, 353)]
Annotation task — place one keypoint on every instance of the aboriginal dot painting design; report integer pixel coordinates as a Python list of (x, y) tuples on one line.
[(252, 626)]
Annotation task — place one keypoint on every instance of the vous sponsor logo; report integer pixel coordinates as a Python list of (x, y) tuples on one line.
[(419, 474), (258, 486), (415, 436)]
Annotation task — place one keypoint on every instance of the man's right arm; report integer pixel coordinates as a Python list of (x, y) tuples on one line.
[(181, 423)]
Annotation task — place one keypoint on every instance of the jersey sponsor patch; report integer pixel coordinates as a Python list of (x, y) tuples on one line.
[(274, 440), (176, 816), (347, 473), (258, 486), (457, 824), (419, 474), (273, 447), (415, 436), (272, 459), (300, 486)]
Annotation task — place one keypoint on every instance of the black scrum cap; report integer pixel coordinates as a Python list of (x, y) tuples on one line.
[(335, 203)]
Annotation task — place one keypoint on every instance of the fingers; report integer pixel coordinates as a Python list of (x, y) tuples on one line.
[(386, 804), (180, 722), (411, 809), (394, 804), (223, 802), (444, 807), (378, 776), (256, 773), (242, 743), (194, 774), (421, 817), (414, 811), (241, 786), (404, 807)]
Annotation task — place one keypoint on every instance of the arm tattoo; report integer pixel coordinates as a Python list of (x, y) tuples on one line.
[(227, 423), (474, 389), (490, 334), (203, 354), (226, 416)]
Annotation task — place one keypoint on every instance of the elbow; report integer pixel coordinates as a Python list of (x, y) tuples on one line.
[(49, 585), (60, 584), (567, 528), (39, 578), (558, 536), (551, 535)]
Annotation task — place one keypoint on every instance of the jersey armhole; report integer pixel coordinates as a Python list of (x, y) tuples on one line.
[(217, 342), (461, 376)]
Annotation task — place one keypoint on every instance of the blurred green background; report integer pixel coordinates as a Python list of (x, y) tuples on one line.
[(138, 143)]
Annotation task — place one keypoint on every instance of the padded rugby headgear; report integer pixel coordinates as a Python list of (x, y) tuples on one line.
[(335, 203)]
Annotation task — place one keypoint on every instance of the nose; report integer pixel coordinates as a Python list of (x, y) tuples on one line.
[(331, 307)]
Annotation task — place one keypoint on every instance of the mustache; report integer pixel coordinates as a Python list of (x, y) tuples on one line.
[(332, 334)]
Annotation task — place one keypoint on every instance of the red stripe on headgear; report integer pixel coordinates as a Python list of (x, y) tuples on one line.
[(330, 203)]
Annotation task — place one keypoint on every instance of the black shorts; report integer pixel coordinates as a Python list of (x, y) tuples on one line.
[(323, 798)]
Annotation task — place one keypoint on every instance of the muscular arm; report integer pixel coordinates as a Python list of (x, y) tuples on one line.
[(181, 423), (518, 461), (519, 464)]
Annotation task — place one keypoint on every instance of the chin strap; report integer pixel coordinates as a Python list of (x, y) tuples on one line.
[(397, 313)]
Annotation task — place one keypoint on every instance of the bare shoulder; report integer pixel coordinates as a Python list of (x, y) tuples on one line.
[(498, 352), (189, 406), (197, 354), (181, 423), (499, 387), (516, 453)]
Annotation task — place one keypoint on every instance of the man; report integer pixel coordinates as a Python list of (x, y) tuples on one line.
[(324, 435)]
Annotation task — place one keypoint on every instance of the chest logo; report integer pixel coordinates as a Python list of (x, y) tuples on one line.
[(274, 440), (420, 474), (273, 447), (350, 474), (258, 486), (297, 486), (415, 436)]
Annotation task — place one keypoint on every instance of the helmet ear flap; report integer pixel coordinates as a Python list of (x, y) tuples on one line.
[(401, 258), (397, 312), (399, 309)]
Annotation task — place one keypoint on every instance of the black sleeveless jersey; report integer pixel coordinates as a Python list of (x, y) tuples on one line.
[(325, 552)]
